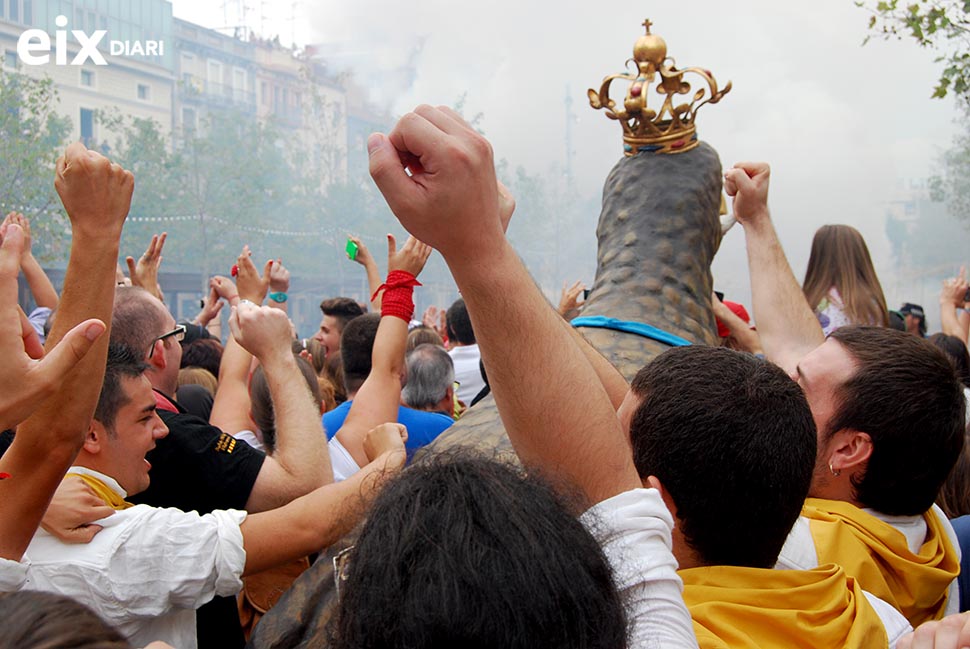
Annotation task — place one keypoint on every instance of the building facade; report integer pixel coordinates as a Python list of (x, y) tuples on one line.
[(134, 84)]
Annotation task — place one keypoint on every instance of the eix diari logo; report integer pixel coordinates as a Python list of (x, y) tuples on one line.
[(34, 46)]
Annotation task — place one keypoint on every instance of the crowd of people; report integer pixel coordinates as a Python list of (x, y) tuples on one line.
[(804, 484)]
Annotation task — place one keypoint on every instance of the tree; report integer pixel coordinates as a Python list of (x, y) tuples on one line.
[(942, 25), (32, 135)]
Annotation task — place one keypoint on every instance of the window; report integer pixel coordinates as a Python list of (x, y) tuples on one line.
[(239, 84), (10, 59), (214, 72), (188, 121), (87, 78), (87, 127), (14, 11), (144, 92)]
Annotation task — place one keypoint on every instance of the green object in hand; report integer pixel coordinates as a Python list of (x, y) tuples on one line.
[(352, 249)]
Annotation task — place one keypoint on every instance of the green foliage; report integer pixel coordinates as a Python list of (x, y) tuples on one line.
[(942, 25), (31, 137)]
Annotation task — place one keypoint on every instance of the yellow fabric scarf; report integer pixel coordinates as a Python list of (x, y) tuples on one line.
[(878, 556), (103, 491), (755, 608)]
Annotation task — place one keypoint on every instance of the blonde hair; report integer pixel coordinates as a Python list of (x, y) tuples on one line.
[(840, 259), (198, 376)]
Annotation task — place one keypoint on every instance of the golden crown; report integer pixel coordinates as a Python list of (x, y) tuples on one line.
[(672, 129)]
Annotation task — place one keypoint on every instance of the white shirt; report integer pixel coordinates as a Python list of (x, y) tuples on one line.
[(341, 460), (634, 529), (467, 372), (250, 438), (799, 551), (13, 575), (147, 571)]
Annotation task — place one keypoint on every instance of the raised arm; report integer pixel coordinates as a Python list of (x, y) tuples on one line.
[(144, 273), (787, 327), (231, 405), (365, 259), (747, 337), (378, 398), (301, 462), (279, 283), (952, 298), (557, 414), (96, 195), (209, 314), (45, 295), (321, 517)]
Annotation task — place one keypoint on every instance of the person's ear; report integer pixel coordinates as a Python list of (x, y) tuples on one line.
[(94, 438), (653, 482), (852, 450), (157, 359)]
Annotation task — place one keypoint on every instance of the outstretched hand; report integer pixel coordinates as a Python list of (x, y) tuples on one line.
[(29, 377), (954, 289), (411, 258), (251, 285), (277, 275), (145, 272), (211, 306), (224, 288), (21, 220), (363, 256), (747, 184), (450, 199), (569, 302)]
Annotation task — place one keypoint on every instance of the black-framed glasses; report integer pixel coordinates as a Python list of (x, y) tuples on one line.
[(178, 334)]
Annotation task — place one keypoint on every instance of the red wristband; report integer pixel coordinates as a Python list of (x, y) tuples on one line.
[(398, 298)]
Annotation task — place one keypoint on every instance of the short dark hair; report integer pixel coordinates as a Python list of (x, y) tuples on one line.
[(123, 362), (343, 309), (356, 346), (956, 351), (430, 373), (135, 320), (510, 566), (917, 312), (203, 352), (906, 397), (732, 439), (458, 324), (35, 619)]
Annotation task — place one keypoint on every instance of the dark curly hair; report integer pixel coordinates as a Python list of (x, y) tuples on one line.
[(465, 551)]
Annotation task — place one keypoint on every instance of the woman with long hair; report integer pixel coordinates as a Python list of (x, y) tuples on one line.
[(840, 284)]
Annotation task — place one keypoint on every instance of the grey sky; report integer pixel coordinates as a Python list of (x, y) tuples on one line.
[(844, 127)]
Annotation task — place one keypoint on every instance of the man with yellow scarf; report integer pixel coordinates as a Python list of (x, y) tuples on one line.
[(729, 442), (890, 418)]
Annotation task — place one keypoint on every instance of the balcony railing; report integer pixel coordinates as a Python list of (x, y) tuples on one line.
[(197, 87)]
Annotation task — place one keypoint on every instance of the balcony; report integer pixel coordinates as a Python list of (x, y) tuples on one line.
[(193, 88)]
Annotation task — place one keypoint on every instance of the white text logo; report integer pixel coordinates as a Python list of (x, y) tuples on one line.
[(34, 46)]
